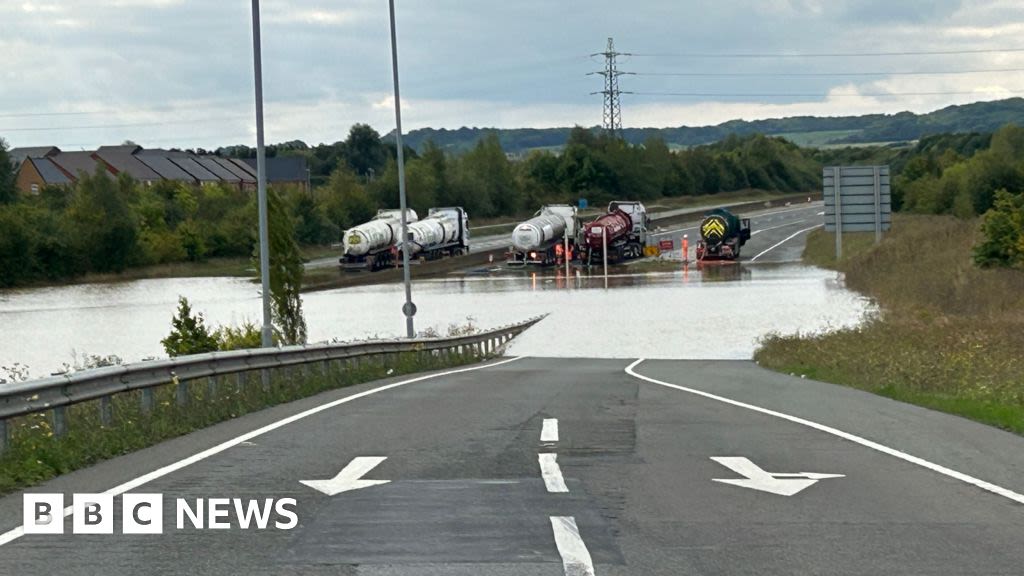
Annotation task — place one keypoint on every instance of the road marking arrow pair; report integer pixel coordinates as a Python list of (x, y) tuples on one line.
[(782, 484)]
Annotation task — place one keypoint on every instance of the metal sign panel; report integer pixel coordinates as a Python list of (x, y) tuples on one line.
[(857, 199), (863, 198)]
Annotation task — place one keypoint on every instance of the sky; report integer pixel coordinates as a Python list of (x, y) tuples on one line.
[(179, 73)]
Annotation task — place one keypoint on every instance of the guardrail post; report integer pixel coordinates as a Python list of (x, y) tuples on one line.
[(106, 411), (211, 387), (265, 379), (147, 400), (60, 421), (3, 435), (181, 393), (239, 381)]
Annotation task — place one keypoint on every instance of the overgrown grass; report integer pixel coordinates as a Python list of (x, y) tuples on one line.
[(949, 335), (35, 454)]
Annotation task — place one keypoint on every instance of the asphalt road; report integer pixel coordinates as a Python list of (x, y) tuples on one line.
[(777, 233), (768, 217), (482, 483)]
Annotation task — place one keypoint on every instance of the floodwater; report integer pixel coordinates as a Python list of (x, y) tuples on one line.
[(719, 313)]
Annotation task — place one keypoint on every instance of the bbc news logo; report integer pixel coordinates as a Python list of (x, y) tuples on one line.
[(144, 514)]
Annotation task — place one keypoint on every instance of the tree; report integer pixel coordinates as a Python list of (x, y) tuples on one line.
[(105, 225), (7, 191), (189, 334), (346, 201), (364, 153), (286, 271), (1003, 232)]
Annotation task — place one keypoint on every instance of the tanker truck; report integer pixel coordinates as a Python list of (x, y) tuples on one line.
[(371, 245), (722, 234), (444, 232), (623, 230), (540, 240)]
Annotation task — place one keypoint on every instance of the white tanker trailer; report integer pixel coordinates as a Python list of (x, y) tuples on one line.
[(444, 232), (541, 239), (370, 246)]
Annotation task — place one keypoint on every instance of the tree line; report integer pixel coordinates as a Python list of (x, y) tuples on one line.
[(108, 224)]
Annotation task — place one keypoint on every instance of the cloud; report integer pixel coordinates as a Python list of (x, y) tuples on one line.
[(174, 64)]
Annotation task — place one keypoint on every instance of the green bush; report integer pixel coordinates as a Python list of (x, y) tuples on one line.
[(189, 334), (1003, 230)]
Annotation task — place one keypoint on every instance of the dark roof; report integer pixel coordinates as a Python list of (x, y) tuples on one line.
[(163, 166), (74, 162), (243, 165), (195, 169), (122, 159), (283, 168), (235, 169), (49, 171), (18, 155), (218, 170)]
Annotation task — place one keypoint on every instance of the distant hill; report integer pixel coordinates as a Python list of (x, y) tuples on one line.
[(803, 130)]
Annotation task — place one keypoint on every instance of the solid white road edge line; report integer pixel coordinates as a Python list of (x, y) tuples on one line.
[(786, 225), (549, 433), (551, 473), (18, 532), (1019, 498), (575, 556), (788, 238)]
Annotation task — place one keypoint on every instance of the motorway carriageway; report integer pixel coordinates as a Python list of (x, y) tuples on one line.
[(485, 243), (533, 466)]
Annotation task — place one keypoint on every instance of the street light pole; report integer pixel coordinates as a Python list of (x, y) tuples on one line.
[(267, 334), (409, 309)]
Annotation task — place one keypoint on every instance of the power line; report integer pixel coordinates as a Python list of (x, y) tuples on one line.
[(818, 94), (825, 74), (827, 54)]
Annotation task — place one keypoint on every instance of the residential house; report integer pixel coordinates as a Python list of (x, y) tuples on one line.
[(36, 173), (121, 159), (284, 170)]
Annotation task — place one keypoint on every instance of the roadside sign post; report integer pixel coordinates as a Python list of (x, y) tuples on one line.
[(566, 254), (604, 250), (857, 199)]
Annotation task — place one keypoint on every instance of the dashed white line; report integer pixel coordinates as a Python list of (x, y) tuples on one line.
[(549, 433), (18, 532), (788, 238), (575, 556), (551, 473), (999, 490)]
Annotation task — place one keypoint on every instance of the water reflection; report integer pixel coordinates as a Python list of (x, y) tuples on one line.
[(697, 312)]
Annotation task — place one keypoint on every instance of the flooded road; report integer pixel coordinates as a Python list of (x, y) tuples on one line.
[(716, 314)]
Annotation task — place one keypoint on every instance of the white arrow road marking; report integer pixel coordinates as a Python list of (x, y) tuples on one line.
[(549, 433), (15, 533), (949, 472), (552, 474), (575, 556), (350, 477), (758, 479)]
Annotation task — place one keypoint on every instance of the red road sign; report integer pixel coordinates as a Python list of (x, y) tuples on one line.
[(666, 245)]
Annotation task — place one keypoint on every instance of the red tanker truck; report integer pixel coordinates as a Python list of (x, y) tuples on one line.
[(623, 230)]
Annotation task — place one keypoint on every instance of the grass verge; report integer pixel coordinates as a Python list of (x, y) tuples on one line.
[(35, 454), (949, 335)]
